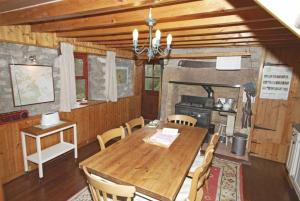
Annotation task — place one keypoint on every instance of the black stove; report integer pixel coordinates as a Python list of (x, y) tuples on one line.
[(197, 107)]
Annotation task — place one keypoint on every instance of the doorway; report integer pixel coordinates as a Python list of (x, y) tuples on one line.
[(152, 76)]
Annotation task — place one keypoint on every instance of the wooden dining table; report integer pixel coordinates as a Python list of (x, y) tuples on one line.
[(155, 171)]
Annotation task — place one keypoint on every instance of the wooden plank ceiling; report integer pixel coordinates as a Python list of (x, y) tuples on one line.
[(192, 23)]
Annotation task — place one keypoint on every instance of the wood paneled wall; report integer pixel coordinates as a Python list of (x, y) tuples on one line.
[(273, 119), (91, 121), (23, 35), (1, 192)]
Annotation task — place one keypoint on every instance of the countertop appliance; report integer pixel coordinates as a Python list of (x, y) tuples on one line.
[(50, 118), (197, 107), (293, 162)]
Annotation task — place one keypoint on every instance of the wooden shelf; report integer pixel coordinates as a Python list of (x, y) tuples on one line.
[(51, 152), (206, 84)]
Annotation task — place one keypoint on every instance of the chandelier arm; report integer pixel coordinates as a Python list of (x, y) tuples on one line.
[(139, 52), (161, 52)]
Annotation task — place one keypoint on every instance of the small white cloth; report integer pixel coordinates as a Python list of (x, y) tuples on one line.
[(197, 162), (184, 190)]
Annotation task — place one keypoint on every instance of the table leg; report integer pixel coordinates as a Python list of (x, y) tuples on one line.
[(75, 140), (24, 149), (39, 152), (61, 135)]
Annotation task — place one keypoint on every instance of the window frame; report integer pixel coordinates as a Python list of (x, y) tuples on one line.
[(153, 77), (85, 76)]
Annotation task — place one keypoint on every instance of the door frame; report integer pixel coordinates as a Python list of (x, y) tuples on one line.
[(152, 92)]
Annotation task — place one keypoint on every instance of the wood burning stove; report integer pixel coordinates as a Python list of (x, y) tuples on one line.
[(198, 107)]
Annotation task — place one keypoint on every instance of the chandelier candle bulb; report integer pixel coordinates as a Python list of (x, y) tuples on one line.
[(154, 42), (150, 13), (169, 39), (135, 34), (157, 36)]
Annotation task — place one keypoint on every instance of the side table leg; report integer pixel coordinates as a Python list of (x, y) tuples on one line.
[(39, 152), (75, 141), (24, 149), (61, 135)]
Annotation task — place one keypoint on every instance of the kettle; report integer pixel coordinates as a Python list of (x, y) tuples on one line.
[(229, 104)]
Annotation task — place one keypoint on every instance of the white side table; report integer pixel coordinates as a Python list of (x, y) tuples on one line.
[(42, 156)]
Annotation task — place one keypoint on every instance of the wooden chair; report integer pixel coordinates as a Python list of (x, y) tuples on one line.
[(102, 189), (214, 140), (192, 189), (182, 119), (134, 123), (109, 135), (200, 157), (200, 177)]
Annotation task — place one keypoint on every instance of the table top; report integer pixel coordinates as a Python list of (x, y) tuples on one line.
[(33, 130), (155, 171)]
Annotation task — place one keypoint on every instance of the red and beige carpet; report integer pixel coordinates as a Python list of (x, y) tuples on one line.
[(225, 183)]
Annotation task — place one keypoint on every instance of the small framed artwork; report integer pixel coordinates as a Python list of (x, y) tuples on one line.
[(31, 84), (122, 75)]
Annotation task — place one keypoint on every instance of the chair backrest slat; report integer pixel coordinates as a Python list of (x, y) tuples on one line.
[(134, 123), (109, 135), (102, 189), (182, 119)]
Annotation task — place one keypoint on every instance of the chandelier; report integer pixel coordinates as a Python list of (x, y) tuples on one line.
[(154, 43)]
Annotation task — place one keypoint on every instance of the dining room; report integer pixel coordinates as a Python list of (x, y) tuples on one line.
[(149, 100)]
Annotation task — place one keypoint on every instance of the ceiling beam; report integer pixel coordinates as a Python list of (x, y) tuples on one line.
[(172, 13), (13, 5), (189, 33), (193, 43), (198, 38), (200, 55), (287, 12), (268, 25), (276, 43), (77, 8)]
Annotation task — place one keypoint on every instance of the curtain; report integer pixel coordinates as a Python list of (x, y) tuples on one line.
[(66, 65), (111, 90)]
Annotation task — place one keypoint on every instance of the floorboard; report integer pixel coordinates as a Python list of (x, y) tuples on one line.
[(263, 180)]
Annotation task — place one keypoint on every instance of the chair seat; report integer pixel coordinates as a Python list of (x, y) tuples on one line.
[(197, 162), (184, 190)]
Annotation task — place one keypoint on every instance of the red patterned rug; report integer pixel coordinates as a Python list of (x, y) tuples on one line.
[(225, 182)]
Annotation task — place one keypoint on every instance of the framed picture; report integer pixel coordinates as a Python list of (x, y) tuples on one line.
[(31, 84), (122, 75)]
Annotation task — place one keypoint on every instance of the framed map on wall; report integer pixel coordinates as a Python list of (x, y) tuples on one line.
[(122, 75), (31, 84)]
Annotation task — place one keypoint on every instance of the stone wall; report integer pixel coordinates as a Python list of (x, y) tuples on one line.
[(96, 77), (97, 72), (126, 89), (15, 53), (171, 93)]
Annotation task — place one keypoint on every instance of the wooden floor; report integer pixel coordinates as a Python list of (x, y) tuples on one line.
[(263, 180)]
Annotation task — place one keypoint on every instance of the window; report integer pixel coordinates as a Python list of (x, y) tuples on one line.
[(81, 74), (152, 77)]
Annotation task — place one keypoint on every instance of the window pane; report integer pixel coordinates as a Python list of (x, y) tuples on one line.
[(148, 83), (80, 89), (148, 70), (156, 84), (157, 70), (78, 67)]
